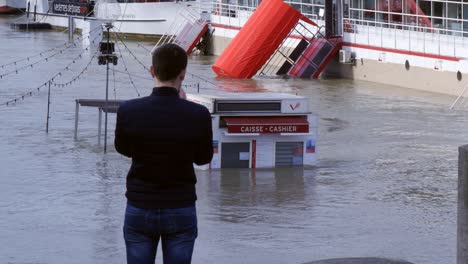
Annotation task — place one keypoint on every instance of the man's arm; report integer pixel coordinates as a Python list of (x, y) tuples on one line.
[(204, 149), (121, 142)]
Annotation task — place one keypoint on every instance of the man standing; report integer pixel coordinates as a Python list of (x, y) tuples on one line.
[(164, 135)]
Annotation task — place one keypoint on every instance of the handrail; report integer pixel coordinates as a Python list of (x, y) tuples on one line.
[(310, 39), (403, 37), (410, 27), (458, 98)]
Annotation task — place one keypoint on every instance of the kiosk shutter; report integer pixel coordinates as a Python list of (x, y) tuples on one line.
[(289, 154)]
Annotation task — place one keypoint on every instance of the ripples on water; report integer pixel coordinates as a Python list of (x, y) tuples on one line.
[(385, 185)]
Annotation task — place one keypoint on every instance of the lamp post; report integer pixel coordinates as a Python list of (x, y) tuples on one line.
[(108, 11), (108, 26)]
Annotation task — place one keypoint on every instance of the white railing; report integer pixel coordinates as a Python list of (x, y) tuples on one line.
[(312, 11), (239, 14), (227, 14), (185, 16), (406, 37)]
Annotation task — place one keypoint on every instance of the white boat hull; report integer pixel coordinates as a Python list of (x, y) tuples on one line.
[(11, 5), (137, 18)]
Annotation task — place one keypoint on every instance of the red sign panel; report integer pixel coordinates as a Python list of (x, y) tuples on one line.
[(268, 129), (267, 124)]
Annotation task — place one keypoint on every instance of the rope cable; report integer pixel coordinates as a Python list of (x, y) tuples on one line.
[(134, 75), (113, 75), (126, 69)]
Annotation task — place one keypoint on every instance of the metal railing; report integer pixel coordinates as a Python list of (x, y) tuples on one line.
[(406, 37), (312, 11), (185, 16), (282, 54), (460, 96)]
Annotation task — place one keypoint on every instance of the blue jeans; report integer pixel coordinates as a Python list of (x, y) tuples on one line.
[(143, 228)]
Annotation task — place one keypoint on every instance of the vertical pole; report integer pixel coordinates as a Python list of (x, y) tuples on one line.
[(71, 28), (454, 45), (329, 18), (107, 90), (381, 35), (339, 17), (424, 41), (34, 17), (77, 109), (409, 38), (99, 126), (48, 109), (368, 33), (198, 87), (254, 154), (438, 34), (417, 15), (462, 221), (445, 19), (27, 12)]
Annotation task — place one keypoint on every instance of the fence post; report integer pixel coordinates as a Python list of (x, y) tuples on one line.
[(77, 109), (48, 108), (462, 221)]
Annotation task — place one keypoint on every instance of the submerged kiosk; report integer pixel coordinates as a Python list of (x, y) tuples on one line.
[(260, 130)]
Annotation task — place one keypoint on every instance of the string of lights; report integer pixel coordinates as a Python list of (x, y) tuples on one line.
[(126, 69), (204, 80), (141, 46), (50, 81), (41, 54), (30, 66), (191, 85), (24, 95), (78, 76), (146, 68), (67, 68), (134, 75), (129, 51)]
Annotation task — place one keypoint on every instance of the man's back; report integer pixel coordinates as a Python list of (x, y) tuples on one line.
[(164, 135)]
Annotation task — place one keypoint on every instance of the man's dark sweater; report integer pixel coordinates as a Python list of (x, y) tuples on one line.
[(164, 135)]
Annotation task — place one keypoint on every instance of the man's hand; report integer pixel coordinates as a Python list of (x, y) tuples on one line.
[(182, 94)]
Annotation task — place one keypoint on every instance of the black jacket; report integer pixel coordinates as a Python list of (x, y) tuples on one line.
[(164, 135)]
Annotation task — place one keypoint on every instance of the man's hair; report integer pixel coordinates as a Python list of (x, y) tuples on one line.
[(168, 62)]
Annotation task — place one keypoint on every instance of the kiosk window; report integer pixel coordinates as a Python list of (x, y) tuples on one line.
[(235, 155), (251, 107)]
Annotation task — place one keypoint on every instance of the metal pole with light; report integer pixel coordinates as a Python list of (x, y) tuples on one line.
[(108, 11), (108, 26)]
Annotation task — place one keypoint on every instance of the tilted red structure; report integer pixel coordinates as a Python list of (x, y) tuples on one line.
[(258, 39)]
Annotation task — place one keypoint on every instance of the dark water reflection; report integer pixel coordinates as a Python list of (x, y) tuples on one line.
[(385, 185)]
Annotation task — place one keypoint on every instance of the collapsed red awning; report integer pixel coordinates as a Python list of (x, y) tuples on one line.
[(267, 124)]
